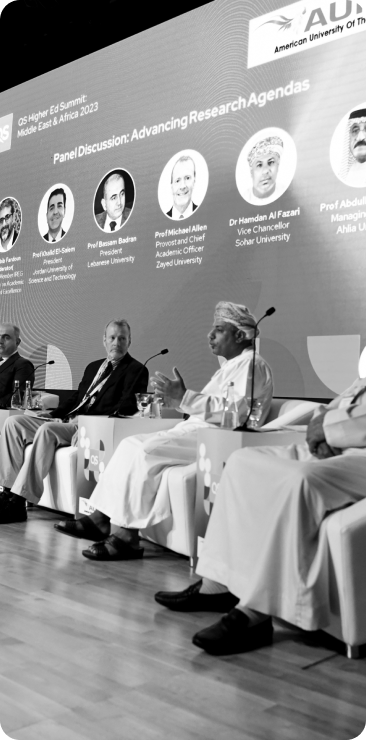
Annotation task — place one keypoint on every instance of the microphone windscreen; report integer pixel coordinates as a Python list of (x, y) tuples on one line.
[(51, 362), (164, 351), (270, 311)]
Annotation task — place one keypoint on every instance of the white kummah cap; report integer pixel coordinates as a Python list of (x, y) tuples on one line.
[(270, 145), (238, 315)]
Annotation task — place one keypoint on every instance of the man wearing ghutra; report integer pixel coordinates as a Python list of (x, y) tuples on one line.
[(265, 552), (264, 161), (353, 166), (133, 493), (107, 385)]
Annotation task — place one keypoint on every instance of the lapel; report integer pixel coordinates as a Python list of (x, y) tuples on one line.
[(9, 362), (115, 375)]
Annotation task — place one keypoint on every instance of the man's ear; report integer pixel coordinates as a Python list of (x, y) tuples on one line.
[(17, 341), (103, 204), (240, 336)]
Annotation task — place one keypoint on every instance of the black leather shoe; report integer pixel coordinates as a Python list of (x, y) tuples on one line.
[(82, 528), (4, 494), (191, 600), (234, 634), (13, 509), (120, 550)]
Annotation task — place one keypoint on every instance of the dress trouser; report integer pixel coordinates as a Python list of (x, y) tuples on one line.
[(26, 478)]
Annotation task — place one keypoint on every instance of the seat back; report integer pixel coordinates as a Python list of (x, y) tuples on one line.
[(279, 406)]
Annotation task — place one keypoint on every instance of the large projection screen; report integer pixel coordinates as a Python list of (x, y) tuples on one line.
[(247, 119)]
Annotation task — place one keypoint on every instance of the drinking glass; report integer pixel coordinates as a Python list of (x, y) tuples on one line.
[(37, 404), (255, 416), (143, 400)]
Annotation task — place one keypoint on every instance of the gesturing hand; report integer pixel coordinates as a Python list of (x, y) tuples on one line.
[(170, 390)]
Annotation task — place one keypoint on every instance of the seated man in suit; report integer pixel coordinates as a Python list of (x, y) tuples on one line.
[(263, 554), (56, 208), (107, 385), (12, 365), (115, 212), (183, 181), (133, 492)]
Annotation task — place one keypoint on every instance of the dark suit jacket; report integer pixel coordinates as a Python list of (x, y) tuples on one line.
[(46, 236), (101, 217), (118, 391), (14, 368), (170, 213)]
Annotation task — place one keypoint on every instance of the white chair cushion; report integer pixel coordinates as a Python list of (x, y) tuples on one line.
[(50, 400), (177, 532), (293, 412), (60, 484)]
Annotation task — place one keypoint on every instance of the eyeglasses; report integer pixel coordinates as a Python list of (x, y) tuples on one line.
[(6, 219)]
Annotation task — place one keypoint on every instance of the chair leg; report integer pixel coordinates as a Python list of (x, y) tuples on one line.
[(191, 562), (353, 651)]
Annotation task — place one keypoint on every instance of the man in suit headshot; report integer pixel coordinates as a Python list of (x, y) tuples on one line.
[(12, 365), (8, 232), (115, 212), (183, 180), (107, 385), (56, 208)]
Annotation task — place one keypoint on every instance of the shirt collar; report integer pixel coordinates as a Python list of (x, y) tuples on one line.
[(177, 215), (118, 222), (115, 362), (57, 237), (6, 358)]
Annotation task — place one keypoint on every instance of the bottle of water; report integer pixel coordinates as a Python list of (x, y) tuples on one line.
[(255, 415), (230, 414), (16, 399), (28, 395)]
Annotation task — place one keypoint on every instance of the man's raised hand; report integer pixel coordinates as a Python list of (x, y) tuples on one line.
[(170, 390)]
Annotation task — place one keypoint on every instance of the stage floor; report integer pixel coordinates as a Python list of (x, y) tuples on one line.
[(86, 653)]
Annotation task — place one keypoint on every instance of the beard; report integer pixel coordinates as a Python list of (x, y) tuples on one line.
[(5, 233)]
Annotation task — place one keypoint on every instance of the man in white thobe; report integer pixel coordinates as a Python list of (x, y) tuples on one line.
[(133, 493), (263, 554)]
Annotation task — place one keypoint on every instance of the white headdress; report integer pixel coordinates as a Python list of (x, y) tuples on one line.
[(238, 315)]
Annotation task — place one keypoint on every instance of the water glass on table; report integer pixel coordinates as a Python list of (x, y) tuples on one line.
[(37, 403), (143, 400), (255, 415)]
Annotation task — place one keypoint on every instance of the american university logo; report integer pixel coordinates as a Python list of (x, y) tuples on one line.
[(6, 125), (302, 26)]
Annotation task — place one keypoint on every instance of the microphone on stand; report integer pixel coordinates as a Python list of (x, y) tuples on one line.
[(162, 352), (50, 362), (243, 427)]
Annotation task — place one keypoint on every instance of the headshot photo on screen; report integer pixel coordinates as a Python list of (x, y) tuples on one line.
[(183, 184), (10, 223), (266, 166), (348, 148), (114, 200), (56, 213)]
